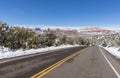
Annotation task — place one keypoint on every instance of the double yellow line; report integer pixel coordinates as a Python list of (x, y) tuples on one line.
[(45, 71)]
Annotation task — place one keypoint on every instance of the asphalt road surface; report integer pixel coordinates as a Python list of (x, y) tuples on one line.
[(77, 62), (93, 62), (26, 66)]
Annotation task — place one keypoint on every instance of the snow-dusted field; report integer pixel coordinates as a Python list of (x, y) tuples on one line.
[(114, 51), (8, 53)]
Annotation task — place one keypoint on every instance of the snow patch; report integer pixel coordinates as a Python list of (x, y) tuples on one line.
[(8, 53), (115, 51)]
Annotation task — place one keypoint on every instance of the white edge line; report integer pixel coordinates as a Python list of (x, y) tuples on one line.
[(109, 63)]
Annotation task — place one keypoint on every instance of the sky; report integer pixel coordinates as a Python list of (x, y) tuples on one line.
[(61, 12)]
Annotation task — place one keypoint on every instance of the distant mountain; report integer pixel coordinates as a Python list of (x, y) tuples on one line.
[(95, 31), (75, 29)]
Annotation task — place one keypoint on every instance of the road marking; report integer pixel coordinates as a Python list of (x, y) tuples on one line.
[(110, 63), (50, 68)]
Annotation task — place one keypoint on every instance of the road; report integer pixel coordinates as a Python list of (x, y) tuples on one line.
[(26, 66), (92, 62), (77, 62)]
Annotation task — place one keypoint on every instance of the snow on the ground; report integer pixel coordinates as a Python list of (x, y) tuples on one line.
[(115, 51), (8, 53)]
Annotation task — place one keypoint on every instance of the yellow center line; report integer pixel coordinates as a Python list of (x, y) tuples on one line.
[(50, 68)]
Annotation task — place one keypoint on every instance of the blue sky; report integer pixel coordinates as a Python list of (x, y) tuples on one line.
[(61, 12)]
